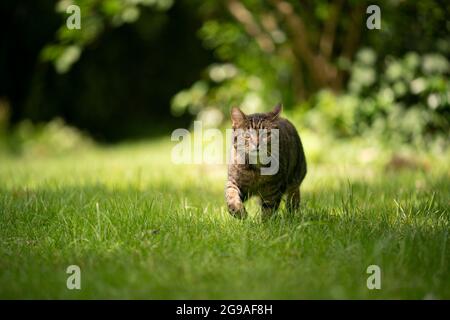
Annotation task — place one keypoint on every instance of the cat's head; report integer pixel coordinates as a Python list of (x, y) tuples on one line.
[(253, 133)]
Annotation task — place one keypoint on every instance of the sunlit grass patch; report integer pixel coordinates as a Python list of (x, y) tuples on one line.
[(141, 227)]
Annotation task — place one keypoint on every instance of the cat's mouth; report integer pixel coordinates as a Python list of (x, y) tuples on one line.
[(254, 158)]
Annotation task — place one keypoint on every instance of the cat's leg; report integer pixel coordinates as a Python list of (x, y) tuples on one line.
[(269, 206), (234, 199), (293, 199)]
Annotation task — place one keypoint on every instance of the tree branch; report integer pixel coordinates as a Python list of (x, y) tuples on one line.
[(321, 71), (353, 32), (244, 16), (329, 31)]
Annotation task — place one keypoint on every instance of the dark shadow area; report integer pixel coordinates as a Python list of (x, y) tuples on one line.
[(122, 85)]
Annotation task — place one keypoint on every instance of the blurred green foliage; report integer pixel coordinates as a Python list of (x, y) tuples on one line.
[(96, 17), (53, 138), (407, 101), (133, 62), (393, 85)]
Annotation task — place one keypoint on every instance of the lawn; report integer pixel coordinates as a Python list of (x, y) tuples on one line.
[(139, 226)]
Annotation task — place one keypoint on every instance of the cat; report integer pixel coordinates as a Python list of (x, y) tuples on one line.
[(245, 178)]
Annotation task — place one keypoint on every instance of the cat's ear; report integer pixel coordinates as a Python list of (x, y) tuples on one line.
[(237, 117), (276, 111)]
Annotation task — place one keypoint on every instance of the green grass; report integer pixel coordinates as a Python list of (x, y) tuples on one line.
[(140, 227)]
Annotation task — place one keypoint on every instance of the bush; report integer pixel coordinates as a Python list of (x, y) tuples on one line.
[(52, 138), (408, 101)]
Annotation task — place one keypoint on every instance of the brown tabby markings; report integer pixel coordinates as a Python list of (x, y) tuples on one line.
[(245, 180)]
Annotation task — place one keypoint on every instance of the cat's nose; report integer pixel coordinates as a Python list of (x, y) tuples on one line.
[(253, 147), (255, 143)]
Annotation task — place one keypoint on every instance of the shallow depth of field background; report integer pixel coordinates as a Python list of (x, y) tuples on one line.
[(86, 175)]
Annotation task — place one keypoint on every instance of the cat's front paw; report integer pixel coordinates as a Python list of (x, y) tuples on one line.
[(237, 211)]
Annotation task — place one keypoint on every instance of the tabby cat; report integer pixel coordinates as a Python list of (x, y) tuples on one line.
[(245, 178)]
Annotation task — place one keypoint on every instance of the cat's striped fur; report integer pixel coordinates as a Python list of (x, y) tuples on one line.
[(246, 180)]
